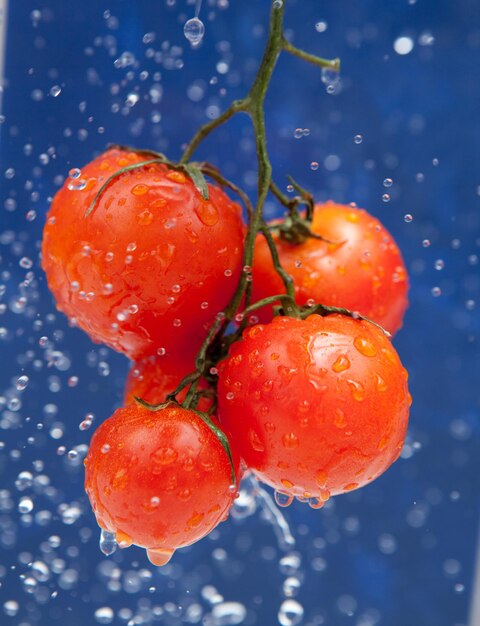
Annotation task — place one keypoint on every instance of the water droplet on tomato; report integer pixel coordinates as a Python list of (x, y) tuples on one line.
[(315, 503), (287, 483), (140, 190), (159, 556), (381, 384), (290, 440), (341, 364), (321, 478), (163, 456), (283, 499), (358, 390), (123, 540), (255, 441), (77, 185), (207, 213), (350, 486), (145, 218), (364, 346)]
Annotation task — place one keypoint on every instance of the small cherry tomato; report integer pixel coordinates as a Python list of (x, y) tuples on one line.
[(316, 407), (154, 377), (160, 480), (362, 270), (152, 264)]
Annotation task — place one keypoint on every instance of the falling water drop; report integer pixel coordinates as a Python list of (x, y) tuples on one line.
[(194, 31), (108, 543)]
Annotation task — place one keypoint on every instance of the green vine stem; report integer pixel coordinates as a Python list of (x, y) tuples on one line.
[(253, 105), (215, 344)]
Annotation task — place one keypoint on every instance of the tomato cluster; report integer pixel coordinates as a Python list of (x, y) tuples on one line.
[(314, 403)]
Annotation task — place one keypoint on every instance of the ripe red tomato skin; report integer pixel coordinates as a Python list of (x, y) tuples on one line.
[(146, 269), (137, 455), (309, 413), (152, 378), (364, 272)]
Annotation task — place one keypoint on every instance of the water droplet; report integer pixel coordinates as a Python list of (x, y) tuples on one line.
[(436, 292), (123, 540), (55, 91), (25, 505), (341, 364), (315, 503), (290, 613), (314, 166), (194, 30), (439, 264), (24, 481), (321, 27), (364, 346), (22, 382), (77, 185), (358, 139), (159, 557), (426, 243), (329, 77), (408, 218), (386, 197), (283, 499), (403, 45), (108, 543), (290, 440), (140, 189), (388, 182), (228, 614), (104, 615)]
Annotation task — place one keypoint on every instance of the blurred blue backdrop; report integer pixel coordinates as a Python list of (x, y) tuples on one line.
[(81, 75)]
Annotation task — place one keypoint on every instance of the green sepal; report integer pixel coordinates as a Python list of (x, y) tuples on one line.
[(197, 177), (154, 407), (120, 172), (222, 438), (323, 310)]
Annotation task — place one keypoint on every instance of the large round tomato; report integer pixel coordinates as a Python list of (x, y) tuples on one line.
[(316, 407), (362, 270), (152, 264), (159, 480), (151, 379)]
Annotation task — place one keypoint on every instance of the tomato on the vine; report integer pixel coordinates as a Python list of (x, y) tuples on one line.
[(160, 480), (151, 379), (152, 264), (316, 407), (361, 270)]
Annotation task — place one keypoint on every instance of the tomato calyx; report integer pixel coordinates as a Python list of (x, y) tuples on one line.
[(192, 170), (296, 226), (205, 417)]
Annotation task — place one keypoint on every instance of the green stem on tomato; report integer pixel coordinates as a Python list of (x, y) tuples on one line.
[(253, 106), (286, 278)]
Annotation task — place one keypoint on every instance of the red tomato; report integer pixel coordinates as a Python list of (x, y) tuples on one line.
[(363, 272), (159, 480), (152, 264), (316, 407), (154, 377)]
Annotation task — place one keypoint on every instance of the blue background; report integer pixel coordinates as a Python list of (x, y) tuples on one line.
[(398, 553)]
